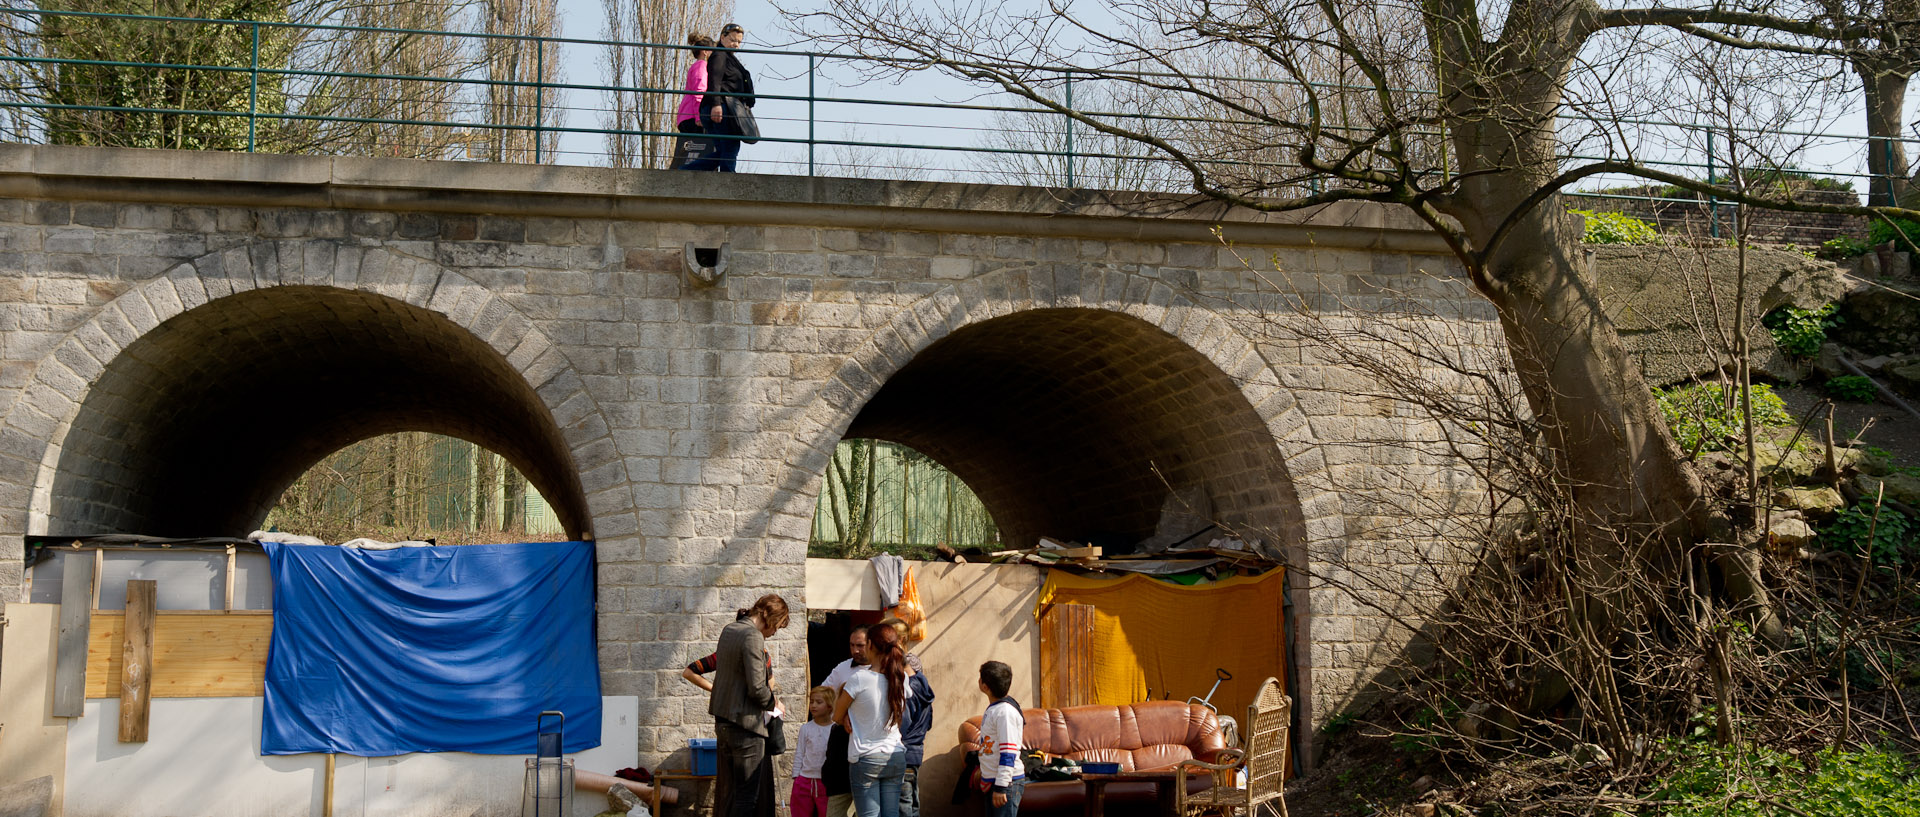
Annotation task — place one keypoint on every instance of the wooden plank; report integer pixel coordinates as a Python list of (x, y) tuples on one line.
[(99, 569), (196, 653), (230, 560), (136, 664), (1066, 656), (70, 671)]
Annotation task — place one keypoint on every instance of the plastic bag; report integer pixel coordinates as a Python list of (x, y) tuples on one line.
[(910, 608)]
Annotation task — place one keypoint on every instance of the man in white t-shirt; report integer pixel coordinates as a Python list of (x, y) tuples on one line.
[(856, 647), (834, 776)]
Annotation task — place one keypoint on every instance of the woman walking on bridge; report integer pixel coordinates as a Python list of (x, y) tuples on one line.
[(728, 104), (687, 116)]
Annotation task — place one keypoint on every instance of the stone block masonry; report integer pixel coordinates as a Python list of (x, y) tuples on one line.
[(182, 334)]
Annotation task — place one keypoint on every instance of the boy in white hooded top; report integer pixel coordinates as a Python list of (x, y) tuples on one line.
[(1001, 730)]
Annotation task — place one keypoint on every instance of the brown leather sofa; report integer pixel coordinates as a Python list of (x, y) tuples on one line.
[(1149, 735)]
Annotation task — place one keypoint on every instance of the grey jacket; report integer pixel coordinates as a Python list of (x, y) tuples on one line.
[(741, 692)]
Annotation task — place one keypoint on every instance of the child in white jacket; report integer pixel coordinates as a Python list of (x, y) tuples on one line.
[(1001, 730)]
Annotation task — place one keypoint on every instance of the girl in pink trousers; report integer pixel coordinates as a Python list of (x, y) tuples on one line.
[(810, 755)]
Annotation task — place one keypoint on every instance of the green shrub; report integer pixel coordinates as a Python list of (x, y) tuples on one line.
[(1799, 332), (1702, 417), (1881, 232), (1842, 248), (1738, 781), (1616, 228), (1852, 388), (1893, 539)]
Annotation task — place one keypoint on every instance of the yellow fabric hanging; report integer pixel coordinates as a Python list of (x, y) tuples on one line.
[(1170, 638)]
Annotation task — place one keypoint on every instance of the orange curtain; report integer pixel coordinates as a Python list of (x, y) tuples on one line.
[(1169, 638)]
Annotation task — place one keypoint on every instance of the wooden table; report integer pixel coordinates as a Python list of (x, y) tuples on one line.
[(688, 797), (1163, 781)]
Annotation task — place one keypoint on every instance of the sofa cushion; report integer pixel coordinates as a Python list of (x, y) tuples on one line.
[(1142, 735)]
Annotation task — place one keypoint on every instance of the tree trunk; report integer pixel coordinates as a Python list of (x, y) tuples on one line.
[(867, 521), (1625, 476), (1622, 467), (513, 506), (1886, 96), (483, 489)]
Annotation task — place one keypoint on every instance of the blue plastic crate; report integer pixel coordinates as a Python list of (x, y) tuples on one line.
[(705, 756)]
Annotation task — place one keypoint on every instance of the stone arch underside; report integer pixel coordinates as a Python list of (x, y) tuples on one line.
[(199, 425), (1077, 423)]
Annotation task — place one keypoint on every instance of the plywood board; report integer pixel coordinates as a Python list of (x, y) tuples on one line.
[(975, 613), (70, 672), (1066, 656), (195, 655), (136, 660)]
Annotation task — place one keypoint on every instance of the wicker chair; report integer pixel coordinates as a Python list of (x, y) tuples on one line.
[(1264, 760)]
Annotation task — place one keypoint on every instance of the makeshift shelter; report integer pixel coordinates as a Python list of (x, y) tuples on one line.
[(1153, 639), (158, 707)]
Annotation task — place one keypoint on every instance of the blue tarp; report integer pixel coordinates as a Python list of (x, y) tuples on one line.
[(433, 649)]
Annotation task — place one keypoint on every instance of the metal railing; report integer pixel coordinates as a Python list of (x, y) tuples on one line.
[(302, 88)]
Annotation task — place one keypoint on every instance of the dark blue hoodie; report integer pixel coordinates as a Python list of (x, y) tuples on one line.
[(916, 717)]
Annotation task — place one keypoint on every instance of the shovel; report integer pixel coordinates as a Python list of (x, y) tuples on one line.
[(1219, 674)]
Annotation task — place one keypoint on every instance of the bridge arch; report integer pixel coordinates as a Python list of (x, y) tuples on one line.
[(1094, 357), (186, 405), (1096, 364)]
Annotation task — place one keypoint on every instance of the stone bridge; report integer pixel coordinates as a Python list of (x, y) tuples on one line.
[(182, 334)]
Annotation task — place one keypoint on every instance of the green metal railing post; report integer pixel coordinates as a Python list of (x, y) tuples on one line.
[(1713, 202), (1886, 168), (253, 92), (539, 95), (1070, 129), (811, 96)]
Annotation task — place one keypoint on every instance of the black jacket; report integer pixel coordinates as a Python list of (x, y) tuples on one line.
[(725, 75)]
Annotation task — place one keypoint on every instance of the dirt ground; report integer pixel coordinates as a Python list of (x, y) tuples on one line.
[(1886, 426)]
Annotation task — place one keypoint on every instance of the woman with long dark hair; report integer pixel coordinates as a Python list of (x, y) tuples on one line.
[(870, 707), (729, 99)]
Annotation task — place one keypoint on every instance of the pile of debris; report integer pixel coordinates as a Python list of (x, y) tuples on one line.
[(1185, 541)]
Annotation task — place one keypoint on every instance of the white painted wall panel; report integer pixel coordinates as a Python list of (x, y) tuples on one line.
[(30, 736), (842, 584), (203, 759)]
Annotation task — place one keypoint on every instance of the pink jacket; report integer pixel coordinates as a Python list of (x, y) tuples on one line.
[(696, 86)]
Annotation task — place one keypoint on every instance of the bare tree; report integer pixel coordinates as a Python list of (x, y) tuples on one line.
[(1879, 40), (406, 90), (656, 25), (1488, 85), (521, 110), (878, 493), (409, 485)]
